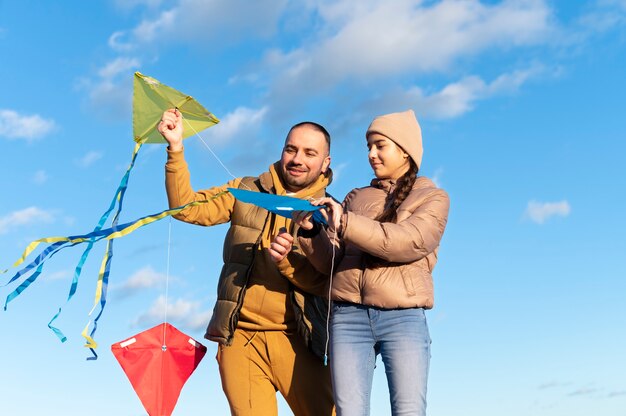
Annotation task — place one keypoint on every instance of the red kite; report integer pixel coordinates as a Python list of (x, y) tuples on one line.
[(158, 362)]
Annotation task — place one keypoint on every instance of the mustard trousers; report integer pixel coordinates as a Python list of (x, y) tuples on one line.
[(258, 364)]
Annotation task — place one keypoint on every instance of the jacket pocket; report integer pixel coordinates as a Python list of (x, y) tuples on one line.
[(409, 274)]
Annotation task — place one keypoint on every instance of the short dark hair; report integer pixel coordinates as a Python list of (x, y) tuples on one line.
[(314, 126)]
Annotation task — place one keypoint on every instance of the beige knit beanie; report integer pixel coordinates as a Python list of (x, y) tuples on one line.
[(403, 129)]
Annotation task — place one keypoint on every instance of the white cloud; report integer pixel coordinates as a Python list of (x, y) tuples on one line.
[(26, 216), (144, 278), (89, 159), (199, 320), (599, 21), (59, 275), (410, 37), (218, 21), (240, 123), (28, 127), (69, 221), (454, 99), (40, 177), (186, 313), (585, 391), (335, 44), (459, 97), (436, 178), (553, 384), (130, 4), (539, 212), (118, 66), (338, 170), (117, 42), (148, 31), (110, 92)]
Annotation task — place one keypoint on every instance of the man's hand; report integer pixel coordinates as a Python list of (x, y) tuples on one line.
[(171, 128), (303, 219), (281, 246)]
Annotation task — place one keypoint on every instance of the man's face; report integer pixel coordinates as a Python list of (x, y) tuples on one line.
[(305, 157)]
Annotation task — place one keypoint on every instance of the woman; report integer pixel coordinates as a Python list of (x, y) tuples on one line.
[(384, 240)]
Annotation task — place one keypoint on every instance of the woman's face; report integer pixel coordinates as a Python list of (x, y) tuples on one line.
[(387, 159)]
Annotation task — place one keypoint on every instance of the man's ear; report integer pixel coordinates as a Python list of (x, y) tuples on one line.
[(325, 164)]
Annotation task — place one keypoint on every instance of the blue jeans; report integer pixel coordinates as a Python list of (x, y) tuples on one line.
[(358, 334)]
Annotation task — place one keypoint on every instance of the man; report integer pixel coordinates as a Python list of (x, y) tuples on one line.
[(267, 318)]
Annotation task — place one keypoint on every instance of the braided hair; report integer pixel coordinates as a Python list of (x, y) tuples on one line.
[(404, 184)]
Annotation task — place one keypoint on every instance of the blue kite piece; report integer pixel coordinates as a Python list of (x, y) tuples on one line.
[(278, 204)]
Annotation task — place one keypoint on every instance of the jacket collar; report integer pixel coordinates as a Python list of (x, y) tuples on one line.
[(387, 185)]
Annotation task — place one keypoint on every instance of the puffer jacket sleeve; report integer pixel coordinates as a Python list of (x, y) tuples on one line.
[(318, 248), (300, 272), (180, 192), (412, 238)]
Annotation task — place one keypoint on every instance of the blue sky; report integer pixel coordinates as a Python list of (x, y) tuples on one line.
[(522, 106)]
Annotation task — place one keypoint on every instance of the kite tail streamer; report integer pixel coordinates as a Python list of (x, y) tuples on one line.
[(103, 277), (29, 249), (100, 298), (23, 286), (101, 289), (48, 252), (117, 199), (38, 262), (109, 234), (59, 242)]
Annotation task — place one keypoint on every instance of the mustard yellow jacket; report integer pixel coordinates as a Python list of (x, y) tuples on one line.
[(245, 252)]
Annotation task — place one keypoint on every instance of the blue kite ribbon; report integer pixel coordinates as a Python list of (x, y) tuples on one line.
[(103, 283), (118, 198), (282, 205), (39, 259), (51, 250), (60, 243), (103, 276), (106, 233)]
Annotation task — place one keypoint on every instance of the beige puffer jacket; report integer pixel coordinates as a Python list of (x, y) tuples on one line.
[(408, 247)]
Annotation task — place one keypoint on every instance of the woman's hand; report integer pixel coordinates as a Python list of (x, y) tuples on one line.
[(332, 213), (281, 246), (171, 128)]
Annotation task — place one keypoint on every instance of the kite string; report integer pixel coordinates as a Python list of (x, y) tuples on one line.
[(210, 150), (167, 279), (169, 236), (330, 288)]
